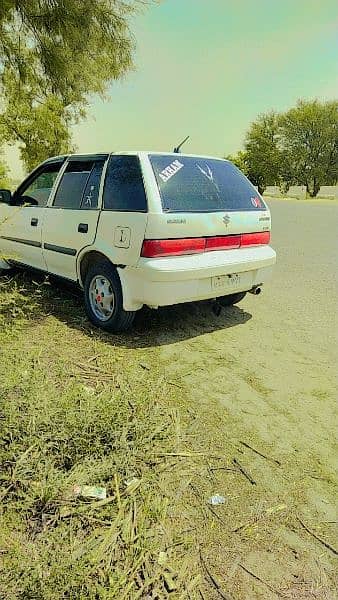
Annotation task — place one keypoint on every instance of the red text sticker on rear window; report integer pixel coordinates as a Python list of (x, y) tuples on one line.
[(256, 202), (171, 170)]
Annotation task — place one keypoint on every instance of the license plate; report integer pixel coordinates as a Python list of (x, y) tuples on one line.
[(232, 281)]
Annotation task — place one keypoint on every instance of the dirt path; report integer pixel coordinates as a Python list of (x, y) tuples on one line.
[(272, 364), (269, 365), (255, 385), (270, 360)]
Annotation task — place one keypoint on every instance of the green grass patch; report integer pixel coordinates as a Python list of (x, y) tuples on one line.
[(81, 407), (70, 419)]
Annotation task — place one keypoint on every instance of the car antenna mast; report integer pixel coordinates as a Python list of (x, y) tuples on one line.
[(177, 149)]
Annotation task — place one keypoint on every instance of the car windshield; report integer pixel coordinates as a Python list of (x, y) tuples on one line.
[(193, 184)]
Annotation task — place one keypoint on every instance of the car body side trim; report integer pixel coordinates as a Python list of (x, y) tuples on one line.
[(34, 243), (60, 249)]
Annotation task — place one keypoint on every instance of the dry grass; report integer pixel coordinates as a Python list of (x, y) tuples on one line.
[(68, 417), (82, 407)]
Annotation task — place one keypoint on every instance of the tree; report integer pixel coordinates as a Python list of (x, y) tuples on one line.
[(308, 143), (74, 48), (240, 160), (41, 129), (262, 154), (53, 54)]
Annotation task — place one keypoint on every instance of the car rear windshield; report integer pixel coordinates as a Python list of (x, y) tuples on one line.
[(189, 184)]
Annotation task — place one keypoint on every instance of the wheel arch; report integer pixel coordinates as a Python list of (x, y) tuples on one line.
[(92, 256), (112, 316), (86, 260)]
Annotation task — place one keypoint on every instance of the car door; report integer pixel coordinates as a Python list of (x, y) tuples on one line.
[(124, 214), (21, 223), (71, 217)]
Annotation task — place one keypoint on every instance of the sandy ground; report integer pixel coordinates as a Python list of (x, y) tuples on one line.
[(269, 363), (263, 372)]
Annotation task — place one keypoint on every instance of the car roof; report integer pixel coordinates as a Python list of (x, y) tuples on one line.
[(140, 153)]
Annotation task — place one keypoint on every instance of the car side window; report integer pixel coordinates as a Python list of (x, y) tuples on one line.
[(40, 188), (91, 192), (124, 189), (79, 186)]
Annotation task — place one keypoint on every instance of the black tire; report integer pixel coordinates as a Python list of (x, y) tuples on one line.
[(120, 319), (231, 299)]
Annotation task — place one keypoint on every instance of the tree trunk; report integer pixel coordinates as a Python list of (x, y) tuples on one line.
[(313, 189), (284, 187)]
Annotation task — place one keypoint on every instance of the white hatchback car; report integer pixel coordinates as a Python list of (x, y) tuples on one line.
[(139, 228)]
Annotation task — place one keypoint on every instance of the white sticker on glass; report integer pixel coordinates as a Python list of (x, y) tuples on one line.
[(207, 172), (170, 170), (88, 200)]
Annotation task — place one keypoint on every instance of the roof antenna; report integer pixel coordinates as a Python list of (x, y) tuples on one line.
[(177, 149)]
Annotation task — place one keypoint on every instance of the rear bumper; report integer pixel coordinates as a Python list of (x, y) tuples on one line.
[(173, 280)]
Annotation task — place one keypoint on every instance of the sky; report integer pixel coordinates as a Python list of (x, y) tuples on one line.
[(207, 68)]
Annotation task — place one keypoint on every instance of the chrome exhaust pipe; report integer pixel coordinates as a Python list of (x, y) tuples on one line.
[(255, 290)]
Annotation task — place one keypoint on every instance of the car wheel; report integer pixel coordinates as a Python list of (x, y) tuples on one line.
[(103, 298), (231, 299)]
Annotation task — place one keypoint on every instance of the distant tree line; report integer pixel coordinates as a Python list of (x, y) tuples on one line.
[(297, 147)]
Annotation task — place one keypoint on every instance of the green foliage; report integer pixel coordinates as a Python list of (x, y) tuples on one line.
[(299, 147), (73, 48), (40, 127), (53, 54), (240, 160), (262, 154), (308, 143), (66, 421)]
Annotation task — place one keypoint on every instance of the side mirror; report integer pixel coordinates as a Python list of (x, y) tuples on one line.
[(5, 196), (26, 201)]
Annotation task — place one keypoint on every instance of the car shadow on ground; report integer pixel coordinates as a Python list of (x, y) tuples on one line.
[(39, 298)]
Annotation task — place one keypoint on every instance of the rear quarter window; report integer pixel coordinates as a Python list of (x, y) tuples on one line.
[(123, 188), (79, 186), (189, 184)]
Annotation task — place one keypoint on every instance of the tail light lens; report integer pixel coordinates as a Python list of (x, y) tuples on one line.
[(255, 239), (154, 248), (226, 242), (180, 246)]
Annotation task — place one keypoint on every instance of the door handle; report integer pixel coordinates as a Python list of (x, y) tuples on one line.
[(34, 222), (83, 228)]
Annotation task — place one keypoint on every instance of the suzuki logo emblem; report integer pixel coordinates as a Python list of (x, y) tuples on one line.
[(226, 220)]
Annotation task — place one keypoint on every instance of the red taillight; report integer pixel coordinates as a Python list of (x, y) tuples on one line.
[(177, 247), (255, 239), (154, 248), (225, 242)]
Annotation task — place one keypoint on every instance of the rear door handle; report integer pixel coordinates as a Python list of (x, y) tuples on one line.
[(34, 222), (83, 228)]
